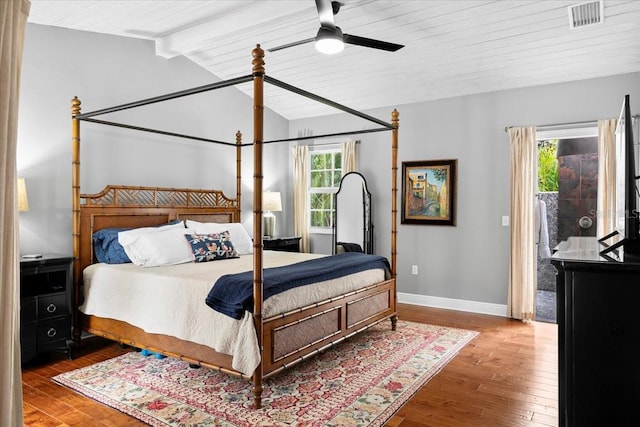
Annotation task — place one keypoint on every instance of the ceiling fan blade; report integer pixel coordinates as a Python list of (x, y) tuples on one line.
[(284, 46), (325, 13), (376, 44)]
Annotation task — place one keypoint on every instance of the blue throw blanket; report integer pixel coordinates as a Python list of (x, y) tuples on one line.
[(232, 294)]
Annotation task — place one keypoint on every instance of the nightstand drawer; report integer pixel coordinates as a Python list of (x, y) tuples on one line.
[(288, 244), (293, 241), (52, 305), (53, 333)]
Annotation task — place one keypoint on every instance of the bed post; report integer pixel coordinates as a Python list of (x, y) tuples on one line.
[(239, 174), (258, 115), (75, 206), (394, 200)]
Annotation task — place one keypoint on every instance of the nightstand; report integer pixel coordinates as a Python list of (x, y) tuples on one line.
[(45, 305), (286, 244)]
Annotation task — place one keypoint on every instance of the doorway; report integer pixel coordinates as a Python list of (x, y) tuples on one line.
[(567, 187)]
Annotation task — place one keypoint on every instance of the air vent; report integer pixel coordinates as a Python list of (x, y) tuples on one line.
[(585, 14)]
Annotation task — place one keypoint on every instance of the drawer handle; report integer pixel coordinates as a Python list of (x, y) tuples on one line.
[(51, 333), (51, 308)]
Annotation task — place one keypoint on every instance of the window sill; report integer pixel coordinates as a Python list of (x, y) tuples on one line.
[(319, 230)]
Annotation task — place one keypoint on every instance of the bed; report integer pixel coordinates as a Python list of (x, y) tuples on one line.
[(282, 335)]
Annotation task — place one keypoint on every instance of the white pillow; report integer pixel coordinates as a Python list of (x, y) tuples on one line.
[(145, 230), (239, 236), (156, 248)]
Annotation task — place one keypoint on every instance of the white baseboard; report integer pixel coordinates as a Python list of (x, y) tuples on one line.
[(454, 304)]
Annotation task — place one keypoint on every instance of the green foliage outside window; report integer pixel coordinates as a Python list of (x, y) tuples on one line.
[(326, 171), (548, 165)]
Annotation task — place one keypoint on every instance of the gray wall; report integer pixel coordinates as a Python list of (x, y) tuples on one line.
[(469, 261), (104, 71)]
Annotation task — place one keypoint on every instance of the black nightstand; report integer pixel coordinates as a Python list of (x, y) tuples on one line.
[(45, 305), (286, 244)]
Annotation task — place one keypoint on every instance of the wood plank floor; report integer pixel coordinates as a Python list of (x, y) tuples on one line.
[(506, 377)]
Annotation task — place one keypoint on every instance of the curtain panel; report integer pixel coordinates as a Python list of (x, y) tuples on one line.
[(522, 264), (13, 19), (301, 195), (606, 198), (349, 157)]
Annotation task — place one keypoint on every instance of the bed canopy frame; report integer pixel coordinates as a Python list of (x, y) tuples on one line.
[(155, 203)]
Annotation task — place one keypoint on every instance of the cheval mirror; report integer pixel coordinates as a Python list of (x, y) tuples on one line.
[(352, 228)]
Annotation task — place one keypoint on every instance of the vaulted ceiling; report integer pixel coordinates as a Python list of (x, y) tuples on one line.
[(451, 48)]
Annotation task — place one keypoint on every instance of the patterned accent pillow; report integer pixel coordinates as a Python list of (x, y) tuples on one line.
[(211, 247)]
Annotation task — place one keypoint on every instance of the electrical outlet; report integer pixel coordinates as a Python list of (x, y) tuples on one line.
[(505, 221), (414, 270)]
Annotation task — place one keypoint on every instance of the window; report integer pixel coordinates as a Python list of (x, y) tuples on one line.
[(325, 172)]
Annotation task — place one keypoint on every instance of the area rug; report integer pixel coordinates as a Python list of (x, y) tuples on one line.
[(362, 381)]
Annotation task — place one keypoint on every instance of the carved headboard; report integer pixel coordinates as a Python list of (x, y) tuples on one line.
[(129, 207)]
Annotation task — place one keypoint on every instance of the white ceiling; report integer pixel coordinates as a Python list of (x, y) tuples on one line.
[(452, 48)]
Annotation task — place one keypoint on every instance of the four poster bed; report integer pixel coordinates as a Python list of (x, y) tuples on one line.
[(272, 334)]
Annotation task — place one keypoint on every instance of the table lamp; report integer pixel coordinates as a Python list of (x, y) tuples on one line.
[(271, 202), (23, 201)]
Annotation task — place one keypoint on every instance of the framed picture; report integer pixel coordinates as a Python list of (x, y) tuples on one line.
[(429, 192)]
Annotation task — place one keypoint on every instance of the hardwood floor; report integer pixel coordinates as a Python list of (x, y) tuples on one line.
[(506, 377)]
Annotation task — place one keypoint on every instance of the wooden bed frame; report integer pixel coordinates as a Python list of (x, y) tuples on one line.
[(285, 339)]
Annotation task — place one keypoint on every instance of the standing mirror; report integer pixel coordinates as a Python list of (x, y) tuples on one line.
[(352, 228)]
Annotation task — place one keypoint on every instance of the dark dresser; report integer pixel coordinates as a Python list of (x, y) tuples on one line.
[(45, 305), (598, 336)]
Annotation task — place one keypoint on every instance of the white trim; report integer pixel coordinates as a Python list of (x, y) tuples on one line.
[(320, 230), (577, 132), (454, 304), (330, 146)]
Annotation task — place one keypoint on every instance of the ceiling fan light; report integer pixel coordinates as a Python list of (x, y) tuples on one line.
[(329, 46), (329, 41)]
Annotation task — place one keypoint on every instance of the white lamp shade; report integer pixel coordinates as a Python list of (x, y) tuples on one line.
[(23, 201), (271, 201)]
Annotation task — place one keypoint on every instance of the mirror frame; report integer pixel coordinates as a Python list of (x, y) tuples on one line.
[(367, 232)]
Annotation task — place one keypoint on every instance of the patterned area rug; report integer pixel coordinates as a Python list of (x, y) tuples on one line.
[(362, 381)]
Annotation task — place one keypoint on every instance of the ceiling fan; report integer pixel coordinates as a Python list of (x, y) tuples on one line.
[(330, 38)]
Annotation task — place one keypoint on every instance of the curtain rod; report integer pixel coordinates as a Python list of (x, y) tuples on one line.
[(565, 125), (559, 125), (329, 143)]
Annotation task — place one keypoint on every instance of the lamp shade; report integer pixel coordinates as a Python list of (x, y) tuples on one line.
[(271, 201), (23, 201)]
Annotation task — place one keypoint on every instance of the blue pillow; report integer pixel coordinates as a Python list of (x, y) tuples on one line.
[(106, 246), (211, 247)]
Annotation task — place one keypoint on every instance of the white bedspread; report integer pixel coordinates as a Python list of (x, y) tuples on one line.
[(171, 300)]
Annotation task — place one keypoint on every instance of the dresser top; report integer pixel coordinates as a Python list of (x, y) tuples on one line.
[(589, 250)]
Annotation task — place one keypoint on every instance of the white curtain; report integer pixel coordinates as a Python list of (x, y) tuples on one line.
[(13, 18), (606, 202), (301, 195), (522, 265), (349, 157)]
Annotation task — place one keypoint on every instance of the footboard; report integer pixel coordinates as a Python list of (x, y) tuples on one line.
[(297, 335)]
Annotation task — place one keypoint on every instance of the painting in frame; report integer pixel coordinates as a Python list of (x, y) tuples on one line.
[(429, 192)]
